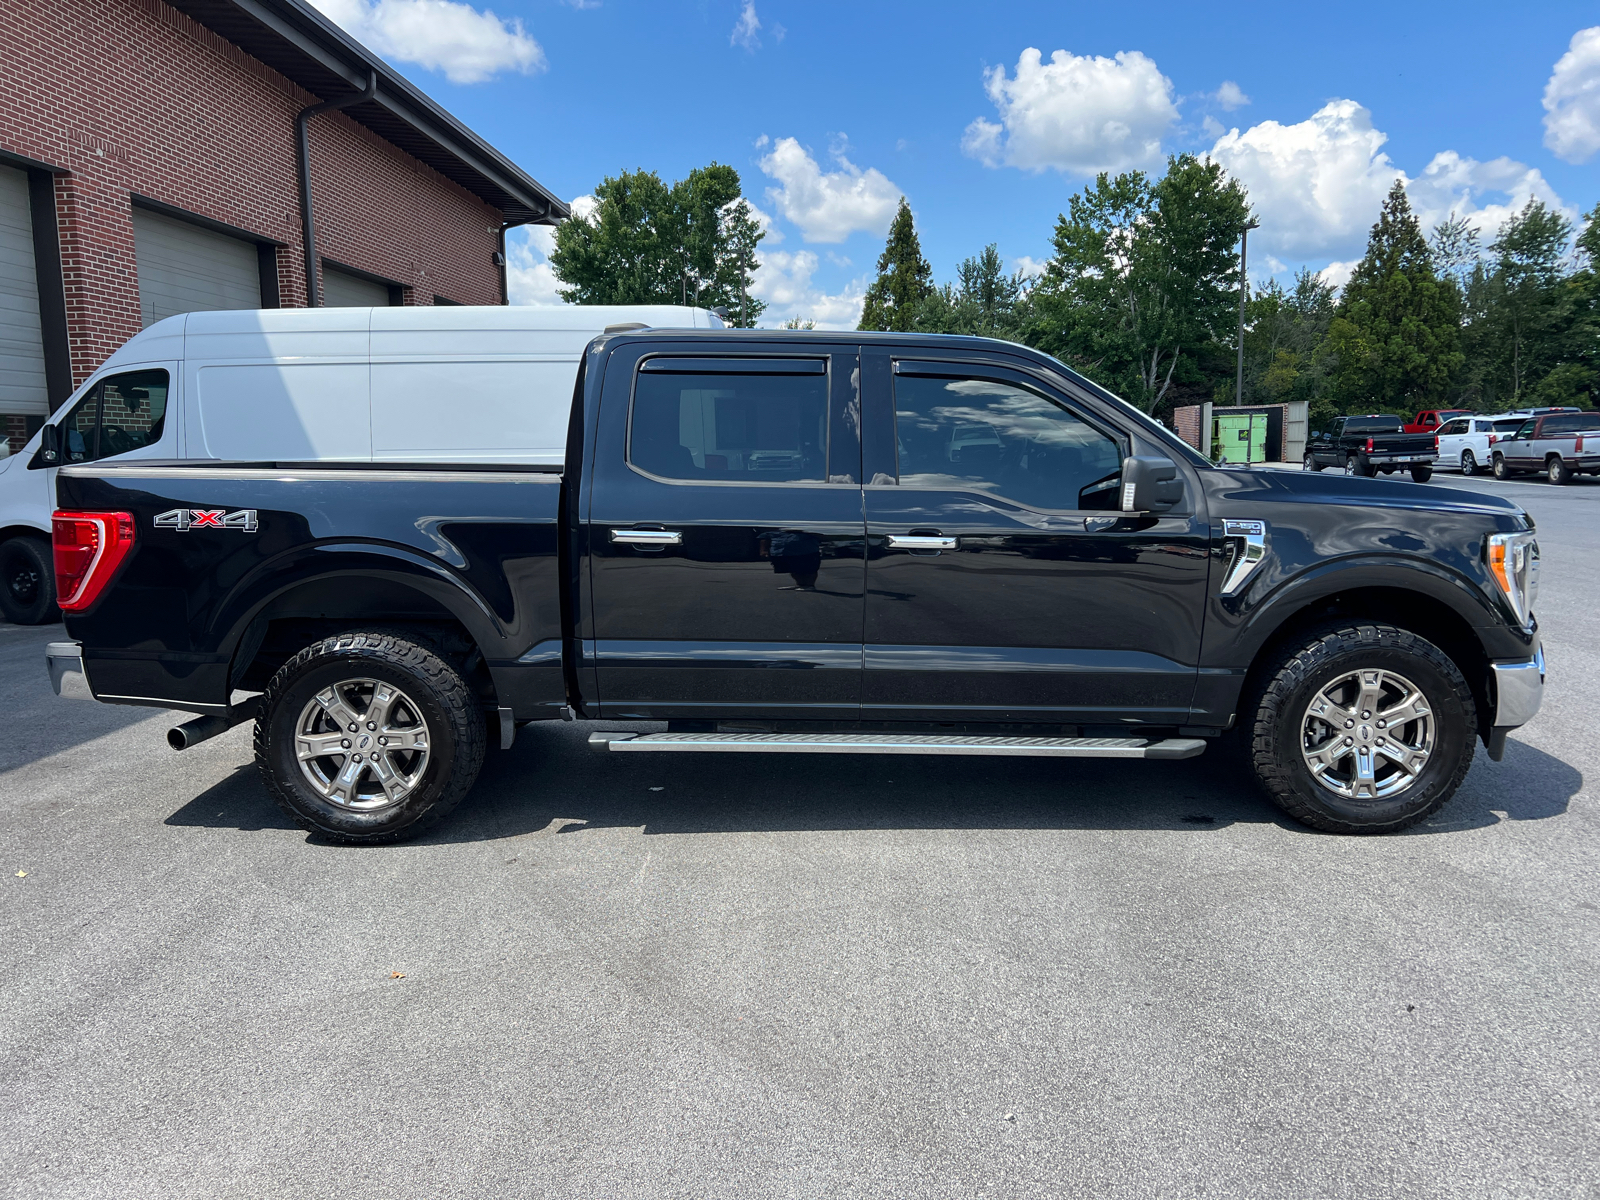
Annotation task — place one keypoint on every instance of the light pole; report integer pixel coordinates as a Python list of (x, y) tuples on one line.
[(1244, 242)]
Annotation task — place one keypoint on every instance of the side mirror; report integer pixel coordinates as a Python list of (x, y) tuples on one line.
[(49, 452), (1150, 484)]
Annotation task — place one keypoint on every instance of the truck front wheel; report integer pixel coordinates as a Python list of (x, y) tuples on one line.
[(365, 737), (27, 582), (1361, 728)]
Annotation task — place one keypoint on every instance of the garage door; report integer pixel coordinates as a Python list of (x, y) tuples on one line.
[(184, 268), (340, 289), (22, 390)]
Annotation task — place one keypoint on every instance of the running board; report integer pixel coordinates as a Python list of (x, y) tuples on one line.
[(897, 743)]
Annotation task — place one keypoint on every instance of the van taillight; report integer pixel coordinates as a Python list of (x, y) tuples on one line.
[(89, 547), (1369, 445)]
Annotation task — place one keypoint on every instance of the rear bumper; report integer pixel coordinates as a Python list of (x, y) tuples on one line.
[(64, 661)]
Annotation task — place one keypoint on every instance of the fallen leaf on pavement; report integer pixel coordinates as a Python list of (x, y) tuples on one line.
[(396, 975)]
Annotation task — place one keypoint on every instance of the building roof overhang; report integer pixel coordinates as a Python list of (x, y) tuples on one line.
[(300, 43)]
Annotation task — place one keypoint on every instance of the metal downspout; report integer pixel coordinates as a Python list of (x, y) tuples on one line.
[(307, 219)]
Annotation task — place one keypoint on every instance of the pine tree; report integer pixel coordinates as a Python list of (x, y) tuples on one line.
[(1395, 338), (904, 279)]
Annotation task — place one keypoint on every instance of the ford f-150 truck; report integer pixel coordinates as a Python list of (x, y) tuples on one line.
[(1372, 445), (798, 542)]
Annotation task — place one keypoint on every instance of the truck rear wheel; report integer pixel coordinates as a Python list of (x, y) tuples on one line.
[(366, 737), (1558, 471), (1361, 728), (1421, 474), (1469, 463), (1354, 464), (27, 582)]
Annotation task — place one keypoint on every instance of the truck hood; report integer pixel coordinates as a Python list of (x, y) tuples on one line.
[(1242, 486)]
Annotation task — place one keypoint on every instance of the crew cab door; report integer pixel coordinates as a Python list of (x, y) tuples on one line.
[(1003, 582), (724, 535)]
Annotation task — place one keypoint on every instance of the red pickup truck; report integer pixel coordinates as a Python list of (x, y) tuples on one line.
[(1430, 419)]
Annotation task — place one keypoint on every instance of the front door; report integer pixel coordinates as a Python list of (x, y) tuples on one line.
[(1003, 582), (725, 547)]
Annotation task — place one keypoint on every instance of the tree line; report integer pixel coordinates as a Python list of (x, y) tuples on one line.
[(1141, 293)]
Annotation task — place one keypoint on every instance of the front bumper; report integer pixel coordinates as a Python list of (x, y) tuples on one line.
[(64, 661), (1518, 690)]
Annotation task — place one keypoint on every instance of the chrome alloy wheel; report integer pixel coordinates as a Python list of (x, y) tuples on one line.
[(362, 744), (1367, 735)]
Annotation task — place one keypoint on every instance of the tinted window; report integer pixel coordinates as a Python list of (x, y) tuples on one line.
[(133, 408), (78, 428), (981, 435), (1507, 426), (1373, 425), (746, 428), (1572, 423), (1452, 427)]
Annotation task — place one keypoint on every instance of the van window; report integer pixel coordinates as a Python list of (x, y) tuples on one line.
[(119, 413), (748, 428), (992, 437), (495, 411), (286, 412)]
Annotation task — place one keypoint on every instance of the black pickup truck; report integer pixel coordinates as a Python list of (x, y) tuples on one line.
[(1372, 445), (808, 543)]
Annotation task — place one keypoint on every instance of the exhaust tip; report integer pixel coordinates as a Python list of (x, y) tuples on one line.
[(176, 739)]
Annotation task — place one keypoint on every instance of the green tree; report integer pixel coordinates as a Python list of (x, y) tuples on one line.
[(1144, 280), (1532, 308), (1396, 333), (647, 243), (905, 280), (1285, 331), (983, 302)]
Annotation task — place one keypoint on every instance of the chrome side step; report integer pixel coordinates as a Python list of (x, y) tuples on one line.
[(896, 743)]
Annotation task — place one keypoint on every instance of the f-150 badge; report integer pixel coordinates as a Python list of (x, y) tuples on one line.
[(185, 519)]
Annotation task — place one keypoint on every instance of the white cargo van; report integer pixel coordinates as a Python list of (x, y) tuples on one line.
[(434, 384)]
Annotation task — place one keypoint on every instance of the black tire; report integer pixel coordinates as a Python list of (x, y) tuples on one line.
[(1556, 468), (1311, 462), (1278, 709), (27, 582), (1501, 471), (453, 726), (1469, 463), (1354, 464), (1421, 474)]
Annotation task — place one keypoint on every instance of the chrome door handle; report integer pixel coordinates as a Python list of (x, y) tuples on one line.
[(914, 541), (647, 537)]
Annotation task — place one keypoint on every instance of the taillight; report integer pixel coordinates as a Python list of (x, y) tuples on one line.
[(1578, 447), (89, 547), (1492, 439), (1369, 445), (1436, 442)]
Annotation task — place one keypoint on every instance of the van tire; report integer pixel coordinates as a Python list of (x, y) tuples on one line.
[(444, 706), (1275, 715), (27, 581)]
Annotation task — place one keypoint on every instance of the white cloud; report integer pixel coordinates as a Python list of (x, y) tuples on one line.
[(1231, 96), (1212, 127), (1572, 99), (468, 46), (747, 29), (1338, 273), (1451, 184), (1076, 114), (828, 206), (783, 280), (1029, 266)]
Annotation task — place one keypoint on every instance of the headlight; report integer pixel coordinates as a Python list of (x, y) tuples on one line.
[(1514, 563)]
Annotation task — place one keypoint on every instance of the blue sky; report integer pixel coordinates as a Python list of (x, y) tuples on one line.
[(830, 111)]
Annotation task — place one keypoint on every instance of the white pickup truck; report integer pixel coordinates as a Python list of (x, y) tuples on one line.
[(1469, 441), (1559, 446)]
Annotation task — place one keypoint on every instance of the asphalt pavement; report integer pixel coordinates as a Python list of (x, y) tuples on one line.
[(796, 976)]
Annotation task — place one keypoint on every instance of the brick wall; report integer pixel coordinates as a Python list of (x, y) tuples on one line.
[(131, 96)]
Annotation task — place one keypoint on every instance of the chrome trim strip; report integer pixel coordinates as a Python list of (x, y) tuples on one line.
[(1519, 690), (897, 743), (648, 537), (64, 661), (908, 541)]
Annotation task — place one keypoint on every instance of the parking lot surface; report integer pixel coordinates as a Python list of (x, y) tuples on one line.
[(797, 976)]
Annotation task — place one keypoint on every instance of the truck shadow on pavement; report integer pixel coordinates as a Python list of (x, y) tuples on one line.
[(551, 783)]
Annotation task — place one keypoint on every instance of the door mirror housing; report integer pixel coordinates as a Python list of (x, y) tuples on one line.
[(49, 452), (1150, 483)]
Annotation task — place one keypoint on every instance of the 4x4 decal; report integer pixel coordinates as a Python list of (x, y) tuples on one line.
[(185, 519)]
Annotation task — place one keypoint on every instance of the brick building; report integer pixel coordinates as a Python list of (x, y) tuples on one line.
[(151, 163)]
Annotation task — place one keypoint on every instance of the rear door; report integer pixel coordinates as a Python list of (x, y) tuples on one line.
[(1003, 582), (724, 534)]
